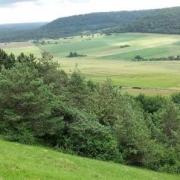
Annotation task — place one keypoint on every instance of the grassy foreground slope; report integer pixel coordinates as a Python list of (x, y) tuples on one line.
[(30, 162)]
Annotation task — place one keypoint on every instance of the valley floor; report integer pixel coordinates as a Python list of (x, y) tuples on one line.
[(112, 57)]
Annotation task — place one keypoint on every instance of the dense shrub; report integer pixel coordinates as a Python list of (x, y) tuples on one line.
[(6, 60), (89, 138), (170, 58), (176, 98), (75, 54), (25, 101), (133, 133), (40, 103)]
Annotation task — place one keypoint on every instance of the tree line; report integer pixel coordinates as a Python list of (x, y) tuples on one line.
[(41, 104), (169, 58)]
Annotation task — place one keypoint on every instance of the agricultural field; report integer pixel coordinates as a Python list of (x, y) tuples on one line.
[(18, 47), (111, 56), (32, 162)]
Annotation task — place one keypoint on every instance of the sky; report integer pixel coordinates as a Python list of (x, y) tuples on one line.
[(20, 11)]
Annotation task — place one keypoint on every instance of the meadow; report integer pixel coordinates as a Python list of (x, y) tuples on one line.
[(111, 56), (33, 162)]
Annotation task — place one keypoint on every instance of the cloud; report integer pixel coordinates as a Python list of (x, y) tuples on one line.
[(10, 2), (16, 11)]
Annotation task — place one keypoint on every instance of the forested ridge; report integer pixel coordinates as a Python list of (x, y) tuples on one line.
[(146, 21), (156, 21), (41, 104)]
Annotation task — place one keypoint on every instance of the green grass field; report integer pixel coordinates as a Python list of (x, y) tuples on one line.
[(109, 47), (31, 162), (107, 59)]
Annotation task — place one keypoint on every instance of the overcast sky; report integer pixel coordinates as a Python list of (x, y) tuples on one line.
[(18, 11)]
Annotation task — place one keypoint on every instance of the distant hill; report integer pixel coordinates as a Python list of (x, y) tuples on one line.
[(18, 32), (21, 26), (146, 21), (156, 21)]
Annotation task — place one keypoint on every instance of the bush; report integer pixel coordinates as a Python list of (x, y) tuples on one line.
[(41, 104), (89, 138), (176, 98), (21, 135), (133, 134), (25, 101), (161, 158), (75, 54)]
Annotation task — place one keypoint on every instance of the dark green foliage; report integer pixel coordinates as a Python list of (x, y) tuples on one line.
[(25, 101), (74, 54), (22, 58), (125, 46), (170, 58), (71, 54), (41, 104), (176, 98), (87, 137), (78, 91), (163, 119), (6, 61), (151, 104), (170, 118), (133, 133), (104, 103), (138, 58)]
